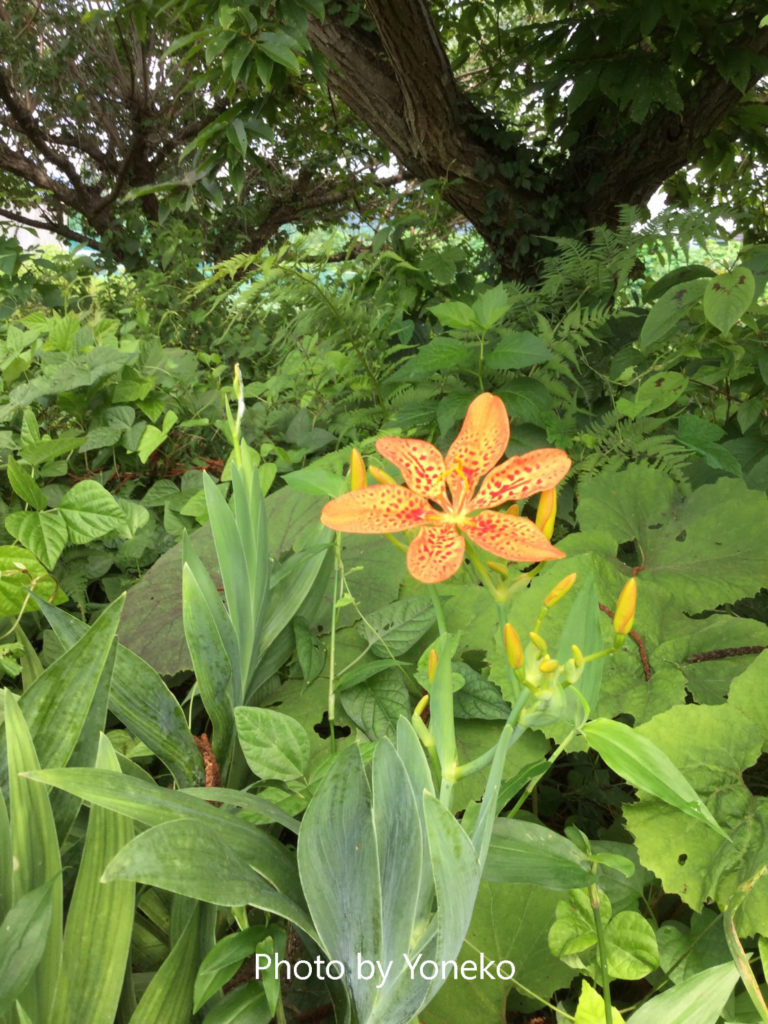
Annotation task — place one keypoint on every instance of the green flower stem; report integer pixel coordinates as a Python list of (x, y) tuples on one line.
[(602, 951), (482, 572), (532, 783), (740, 958), (438, 608), (332, 646)]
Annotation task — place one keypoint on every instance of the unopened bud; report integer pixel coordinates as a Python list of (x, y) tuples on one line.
[(539, 641), (559, 591), (513, 510), (547, 665), (357, 476), (578, 657), (546, 512), (381, 476), (625, 608), (513, 647), (432, 665)]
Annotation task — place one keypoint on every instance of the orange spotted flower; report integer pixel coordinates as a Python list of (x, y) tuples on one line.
[(441, 497)]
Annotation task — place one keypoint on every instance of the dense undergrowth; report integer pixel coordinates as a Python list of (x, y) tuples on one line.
[(629, 854)]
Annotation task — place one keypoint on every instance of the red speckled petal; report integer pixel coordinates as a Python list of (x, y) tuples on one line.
[(380, 509), (521, 476), (436, 553), (511, 537), (420, 463), (481, 442)]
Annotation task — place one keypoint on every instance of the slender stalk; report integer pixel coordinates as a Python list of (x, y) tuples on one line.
[(438, 609), (740, 958), (332, 646), (532, 783), (602, 952)]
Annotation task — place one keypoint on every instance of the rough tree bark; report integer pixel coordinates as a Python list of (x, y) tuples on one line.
[(399, 83)]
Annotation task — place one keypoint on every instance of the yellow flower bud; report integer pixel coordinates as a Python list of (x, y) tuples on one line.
[(432, 665), (559, 591), (512, 646), (578, 657), (418, 711), (539, 641), (625, 608), (548, 665), (381, 476), (546, 512), (357, 476)]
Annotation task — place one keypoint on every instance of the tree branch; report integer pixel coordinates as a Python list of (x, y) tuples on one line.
[(53, 226)]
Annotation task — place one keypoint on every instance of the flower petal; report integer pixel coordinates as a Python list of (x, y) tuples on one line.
[(420, 463), (510, 537), (481, 442), (521, 476), (379, 509), (435, 554)]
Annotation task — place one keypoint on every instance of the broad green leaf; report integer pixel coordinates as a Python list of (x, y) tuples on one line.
[(23, 935), (305, 577), (35, 852), (478, 698), (152, 805), (631, 946), (168, 997), (244, 1004), (727, 297), (456, 871), (339, 870), (582, 627), (393, 630), (21, 572), (89, 511), (399, 841), (573, 931), (141, 701), (377, 704), (700, 1000), (699, 551), (591, 1007), (57, 706), (524, 851), (278, 47), (455, 314), (217, 679), (690, 859), (644, 765), (36, 453), (179, 857), (44, 533), (310, 650), (501, 930), (438, 356), (275, 745), (668, 310), (491, 306), (226, 958), (515, 350), (655, 394), (24, 484), (702, 436), (95, 969)]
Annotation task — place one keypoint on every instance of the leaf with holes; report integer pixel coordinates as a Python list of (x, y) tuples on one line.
[(727, 297)]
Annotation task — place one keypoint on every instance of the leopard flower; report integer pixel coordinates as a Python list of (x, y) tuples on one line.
[(446, 501)]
